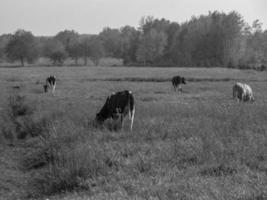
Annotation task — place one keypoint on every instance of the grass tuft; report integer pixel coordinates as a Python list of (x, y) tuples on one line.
[(69, 159)]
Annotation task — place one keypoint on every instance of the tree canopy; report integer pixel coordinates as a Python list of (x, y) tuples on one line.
[(217, 39), (21, 46)]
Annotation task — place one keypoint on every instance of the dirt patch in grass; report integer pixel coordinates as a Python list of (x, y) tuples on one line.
[(220, 170)]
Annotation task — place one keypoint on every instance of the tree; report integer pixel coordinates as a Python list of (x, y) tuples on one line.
[(84, 45), (209, 40), (66, 37), (4, 39), (146, 24), (166, 32), (256, 26), (255, 46), (75, 50), (55, 50), (92, 47), (129, 42), (96, 49), (22, 46), (172, 30), (112, 42), (151, 47), (70, 40)]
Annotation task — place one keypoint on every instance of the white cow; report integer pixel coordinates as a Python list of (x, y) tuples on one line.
[(242, 92)]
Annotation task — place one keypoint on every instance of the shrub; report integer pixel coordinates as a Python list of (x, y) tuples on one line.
[(17, 106), (12, 117), (70, 159), (18, 120)]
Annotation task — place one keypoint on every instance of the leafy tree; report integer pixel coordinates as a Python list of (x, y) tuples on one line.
[(212, 40), (165, 28), (21, 46), (67, 37), (112, 42), (75, 50), (92, 47), (180, 50), (130, 39), (84, 46), (96, 49), (256, 26), (215, 39), (70, 40), (4, 39), (151, 47), (55, 50), (172, 30), (146, 24), (255, 46)]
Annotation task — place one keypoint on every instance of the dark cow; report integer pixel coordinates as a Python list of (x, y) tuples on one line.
[(177, 81), (117, 106), (50, 82)]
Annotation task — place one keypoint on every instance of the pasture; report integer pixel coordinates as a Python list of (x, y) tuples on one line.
[(198, 144)]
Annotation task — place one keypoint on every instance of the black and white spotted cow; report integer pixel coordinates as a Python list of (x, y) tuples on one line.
[(50, 82), (116, 107), (177, 81)]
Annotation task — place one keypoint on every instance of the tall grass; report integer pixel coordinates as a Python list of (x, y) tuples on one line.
[(188, 146), (72, 160), (19, 121), (83, 158), (205, 141)]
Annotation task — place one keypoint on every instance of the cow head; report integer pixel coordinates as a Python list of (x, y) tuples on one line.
[(103, 113), (99, 119)]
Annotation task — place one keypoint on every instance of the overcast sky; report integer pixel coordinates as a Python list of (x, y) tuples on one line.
[(48, 17)]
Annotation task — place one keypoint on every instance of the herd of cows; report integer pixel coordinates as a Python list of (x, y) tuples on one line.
[(120, 104)]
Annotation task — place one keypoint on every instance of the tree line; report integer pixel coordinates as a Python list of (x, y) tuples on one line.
[(217, 39)]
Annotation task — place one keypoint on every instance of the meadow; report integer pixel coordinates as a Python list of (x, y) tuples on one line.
[(195, 145)]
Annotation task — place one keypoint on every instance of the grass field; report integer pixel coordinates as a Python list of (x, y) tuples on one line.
[(199, 144)]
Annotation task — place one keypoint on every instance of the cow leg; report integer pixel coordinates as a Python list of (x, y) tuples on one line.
[(174, 88), (235, 96), (121, 121), (132, 118), (180, 88), (238, 98), (243, 98), (54, 89)]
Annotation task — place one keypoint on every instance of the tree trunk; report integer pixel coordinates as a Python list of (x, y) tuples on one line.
[(76, 61), (96, 62), (22, 61), (85, 60)]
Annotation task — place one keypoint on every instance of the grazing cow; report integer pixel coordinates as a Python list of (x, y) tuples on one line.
[(177, 81), (50, 82), (242, 92), (117, 106)]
